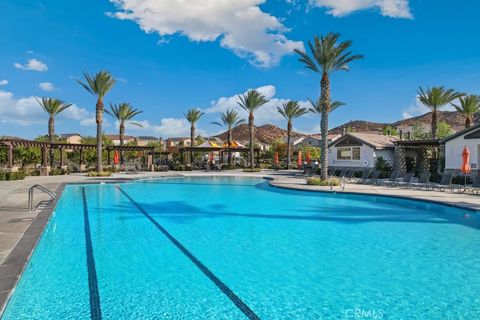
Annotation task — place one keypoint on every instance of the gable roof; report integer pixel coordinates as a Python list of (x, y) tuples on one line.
[(376, 141), (147, 138), (68, 135), (461, 133)]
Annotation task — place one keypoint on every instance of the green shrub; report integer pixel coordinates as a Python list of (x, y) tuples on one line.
[(58, 172), (99, 174), (252, 170), (10, 176), (313, 181)]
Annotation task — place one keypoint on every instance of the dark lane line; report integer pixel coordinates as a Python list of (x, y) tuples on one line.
[(95, 308), (222, 286)]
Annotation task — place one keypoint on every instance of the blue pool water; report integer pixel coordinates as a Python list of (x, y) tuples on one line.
[(232, 248)]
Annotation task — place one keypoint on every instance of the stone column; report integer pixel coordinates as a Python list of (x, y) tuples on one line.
[(10, 156), (400, 159)]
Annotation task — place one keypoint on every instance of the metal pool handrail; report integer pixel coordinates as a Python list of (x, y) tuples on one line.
[(52, 195)]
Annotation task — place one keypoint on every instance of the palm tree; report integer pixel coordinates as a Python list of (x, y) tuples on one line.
[(192, 116), (98, 85), (290, 110), (327, 56), (469, 105), (434, 99), (316, 107), (123, 112), (229, 119), (250, 102), (53, 107)]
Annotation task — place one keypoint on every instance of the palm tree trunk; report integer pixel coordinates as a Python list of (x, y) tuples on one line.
[(251, 119), (468, 121), (325, 101), (192, 142), (51, 136), (122, 138), (229, 146), (289, 133), (99, 120), (434, 124)]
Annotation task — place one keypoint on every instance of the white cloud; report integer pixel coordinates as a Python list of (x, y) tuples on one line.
[(418, 109), (3, 82), (32, 64), (26, 111), (265, 114), (47, 86), (389, 8), (239, 25)]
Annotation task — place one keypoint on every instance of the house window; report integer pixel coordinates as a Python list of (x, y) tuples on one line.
[(349, 153)]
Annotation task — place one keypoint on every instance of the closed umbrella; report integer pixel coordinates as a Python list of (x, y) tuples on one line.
[(299, 160), (275, 157), (465, 163), (116, 158), (308, 157)]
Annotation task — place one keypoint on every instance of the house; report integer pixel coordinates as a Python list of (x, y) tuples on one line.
[(143, 141), (174, 143), (73, 138), (361, 150), (312, 140), (115, 138), (454, 145)]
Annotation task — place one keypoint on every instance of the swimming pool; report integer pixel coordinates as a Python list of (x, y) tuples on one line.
[(237, 248)]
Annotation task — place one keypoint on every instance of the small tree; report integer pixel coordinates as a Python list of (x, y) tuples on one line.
[(390, 131), (444, 130)]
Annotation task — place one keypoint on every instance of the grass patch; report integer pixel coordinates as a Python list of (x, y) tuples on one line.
[(99, 174), (313, 181)]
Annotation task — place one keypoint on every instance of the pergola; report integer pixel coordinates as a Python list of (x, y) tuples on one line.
[(10, 144), (220, 150), (418, 150), (150, 152)]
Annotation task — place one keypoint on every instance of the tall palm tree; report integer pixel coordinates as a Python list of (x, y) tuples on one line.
[(434, 99), (123, 112), (98, 85), (290, 110), (229, 119), (53, 107), (316, 107), (192, 116), (327, 55), (250, 102), (469, 105)]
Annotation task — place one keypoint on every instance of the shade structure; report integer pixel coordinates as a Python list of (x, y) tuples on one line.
[(299, 159), (210, 157), (275, 157), (116, 157), (465, 161), (308, 157)]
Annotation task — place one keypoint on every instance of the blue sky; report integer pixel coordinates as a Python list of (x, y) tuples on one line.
[(171, 55)]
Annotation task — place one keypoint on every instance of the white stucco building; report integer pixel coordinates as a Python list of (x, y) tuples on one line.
[(360, 150), (454, 145)]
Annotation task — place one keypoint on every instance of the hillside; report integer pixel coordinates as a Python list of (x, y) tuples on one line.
[(265, 134)]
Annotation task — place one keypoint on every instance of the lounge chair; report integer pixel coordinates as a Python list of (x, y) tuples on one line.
[(406, 180), (475, 186), (445, 182), (393, 178), (373, 178), (422, 182), (363, 178)]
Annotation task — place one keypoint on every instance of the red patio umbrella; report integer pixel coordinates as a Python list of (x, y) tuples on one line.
[(308, 157), (210, 157), (275, 157), (116, 157), (465, 163), (299, 159)]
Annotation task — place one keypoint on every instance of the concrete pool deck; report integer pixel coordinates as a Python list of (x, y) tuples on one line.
[(20, 230)]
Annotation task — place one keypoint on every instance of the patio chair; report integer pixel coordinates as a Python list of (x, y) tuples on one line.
[(445, 182), (475, 186), (406, 180), (422, 182), (391, 179), (364, 176), (374, 177)]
